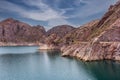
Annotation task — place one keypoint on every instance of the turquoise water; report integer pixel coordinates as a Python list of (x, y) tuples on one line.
[(26, 63)]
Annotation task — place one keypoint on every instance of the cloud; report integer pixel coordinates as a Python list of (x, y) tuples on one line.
[(42, 16), (44, 12), (91, 7), (78, 2), (7, 6), (54, 15)]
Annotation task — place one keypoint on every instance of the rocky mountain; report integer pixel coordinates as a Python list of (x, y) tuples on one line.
[(12, 30), (55, 34), (109, 21), (106, 29), (60, 30), (80, 34), (103, 40)]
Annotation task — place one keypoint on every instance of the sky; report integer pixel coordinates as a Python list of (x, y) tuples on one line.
[(50, 13)]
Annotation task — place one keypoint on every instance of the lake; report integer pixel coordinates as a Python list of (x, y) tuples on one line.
[(27, 63)]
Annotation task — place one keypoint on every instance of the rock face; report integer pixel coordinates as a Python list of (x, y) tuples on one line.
[(101, 41), (112, 33), (111, 17), (93, 51), (18, 32), (80, 34)]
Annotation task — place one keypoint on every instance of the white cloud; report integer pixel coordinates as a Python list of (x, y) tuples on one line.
[(92, 7), (7, 6), (55, 17), (77, 2), (48, 14), (42, 16), (44, 12)]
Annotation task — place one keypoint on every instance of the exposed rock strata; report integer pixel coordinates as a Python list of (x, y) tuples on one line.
[(93, 51)]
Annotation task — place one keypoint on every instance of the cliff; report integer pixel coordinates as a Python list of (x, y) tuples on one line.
[(93, 51)]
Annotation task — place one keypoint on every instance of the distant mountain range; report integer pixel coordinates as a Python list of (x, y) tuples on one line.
[(96, 40)]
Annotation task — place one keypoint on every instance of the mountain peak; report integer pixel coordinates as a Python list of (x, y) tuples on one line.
[(118, 2), (12, 30), (10, 20)]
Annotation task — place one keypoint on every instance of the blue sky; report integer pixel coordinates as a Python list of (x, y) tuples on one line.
[(50, 13)]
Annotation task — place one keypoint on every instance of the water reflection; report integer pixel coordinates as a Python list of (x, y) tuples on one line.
[(102, 70), (18, 49), (49, 65), (65, 67)]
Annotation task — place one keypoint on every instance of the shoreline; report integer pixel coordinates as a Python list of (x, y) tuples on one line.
[(48, 47), (2, 44), (89, 51), (85, 51), (93, 51)]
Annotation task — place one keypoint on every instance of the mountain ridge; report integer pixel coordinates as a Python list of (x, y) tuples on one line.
[(12, 30)]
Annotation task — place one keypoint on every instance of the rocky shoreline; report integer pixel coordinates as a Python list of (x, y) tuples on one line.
[(89, 51), (48, 47), (86, 51), (93, 51), (19, 44)]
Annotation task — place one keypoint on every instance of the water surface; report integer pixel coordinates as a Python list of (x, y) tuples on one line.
[(26, 63)]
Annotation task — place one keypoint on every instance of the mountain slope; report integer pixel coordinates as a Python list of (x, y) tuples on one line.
[(60, 30), (15, 31), (111, 16), (81, 33), (103, 41), (55, 34)]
